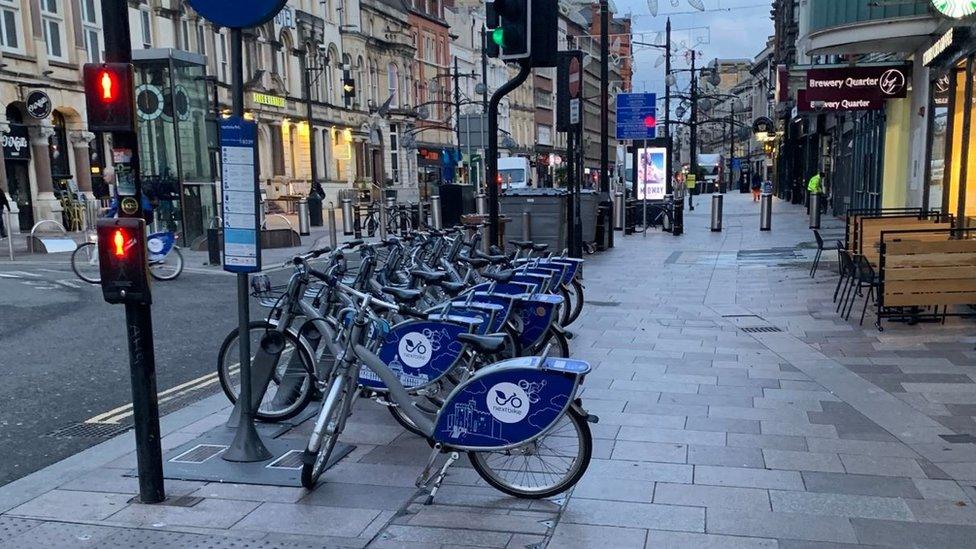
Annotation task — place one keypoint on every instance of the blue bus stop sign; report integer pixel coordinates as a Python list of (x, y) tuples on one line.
[(237, 14)]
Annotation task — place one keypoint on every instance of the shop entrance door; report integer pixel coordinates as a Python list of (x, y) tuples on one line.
[(18, 183)]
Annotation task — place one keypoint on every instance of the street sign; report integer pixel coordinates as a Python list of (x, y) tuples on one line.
[(237, 14), (39, 105), (474, 129), (636, 116), (569, 78), (239, 190)]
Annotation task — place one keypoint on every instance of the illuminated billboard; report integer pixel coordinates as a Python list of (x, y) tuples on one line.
[(652, 173)]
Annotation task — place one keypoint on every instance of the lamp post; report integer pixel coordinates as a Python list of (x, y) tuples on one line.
[(604, 113)]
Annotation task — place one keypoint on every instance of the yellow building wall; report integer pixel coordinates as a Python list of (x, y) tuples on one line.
[(894, 178)]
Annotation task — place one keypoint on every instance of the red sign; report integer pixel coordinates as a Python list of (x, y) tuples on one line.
[(873, 83), (574, 77)]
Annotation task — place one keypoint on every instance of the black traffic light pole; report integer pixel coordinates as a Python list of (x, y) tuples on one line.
[(605, 114), (138, 316), (525, 69)]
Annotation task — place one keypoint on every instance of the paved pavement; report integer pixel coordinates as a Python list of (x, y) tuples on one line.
[(736, 410)]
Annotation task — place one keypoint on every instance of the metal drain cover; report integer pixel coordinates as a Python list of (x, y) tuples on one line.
[(761, 330), (89, 430), (290, 460), (199, 453)]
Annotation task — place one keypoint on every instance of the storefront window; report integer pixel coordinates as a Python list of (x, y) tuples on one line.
[(939, 129), (59, 150)]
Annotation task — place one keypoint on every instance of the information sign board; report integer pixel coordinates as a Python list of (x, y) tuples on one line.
[(239, 192)]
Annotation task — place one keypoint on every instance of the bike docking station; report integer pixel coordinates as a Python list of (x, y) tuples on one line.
[(240, 451)]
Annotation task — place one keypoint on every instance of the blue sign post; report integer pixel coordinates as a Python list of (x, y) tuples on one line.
[(237, 14), (636, 116)]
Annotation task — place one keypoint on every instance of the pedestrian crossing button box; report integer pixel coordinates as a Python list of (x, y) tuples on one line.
[(122, 261)]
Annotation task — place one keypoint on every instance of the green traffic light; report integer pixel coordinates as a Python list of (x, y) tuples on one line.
[(498, 36)]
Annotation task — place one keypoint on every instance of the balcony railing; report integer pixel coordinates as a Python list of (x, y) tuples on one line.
[(825, 14)]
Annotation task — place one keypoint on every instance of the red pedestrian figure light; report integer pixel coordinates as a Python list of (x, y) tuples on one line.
[(106, 82), (119, 241)]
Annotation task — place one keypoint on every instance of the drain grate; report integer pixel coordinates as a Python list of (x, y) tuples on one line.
[(761, 330), (290, 460), (179, 501), (89, 430), (604, 303), (959, 439), (199, 453)]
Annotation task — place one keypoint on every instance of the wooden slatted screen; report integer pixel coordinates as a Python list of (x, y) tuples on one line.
[(919, 271), (871, 229)]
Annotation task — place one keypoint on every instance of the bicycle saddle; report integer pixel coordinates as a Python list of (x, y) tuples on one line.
[(403, 295), (429, 277), (502, 277), (451, 288), (522, 244), (488, 344), (540, 247), (475, 262)]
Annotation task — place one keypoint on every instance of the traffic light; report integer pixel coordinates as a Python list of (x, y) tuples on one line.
[(509, 27), (122, 260), (109, 97)]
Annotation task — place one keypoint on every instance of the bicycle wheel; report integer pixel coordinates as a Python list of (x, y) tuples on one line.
[(547, 466), (577, 297), (315, 460), (84, 262), (560, 345), (291, 385), (169, 268), (566, 307)]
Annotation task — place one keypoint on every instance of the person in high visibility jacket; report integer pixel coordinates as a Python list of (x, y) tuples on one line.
[(815, 186)]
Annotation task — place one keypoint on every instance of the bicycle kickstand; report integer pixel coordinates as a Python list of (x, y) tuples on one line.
[(441, 476)]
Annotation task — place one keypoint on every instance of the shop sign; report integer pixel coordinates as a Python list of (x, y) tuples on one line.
[(833, 102), (269, 100), (39, 105), (16, 145), (946, 46), (956, 9), (940, 94), (859, 83), (763, 125)]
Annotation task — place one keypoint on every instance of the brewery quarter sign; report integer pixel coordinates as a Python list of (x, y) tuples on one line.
[(39, 105), (876, 83)]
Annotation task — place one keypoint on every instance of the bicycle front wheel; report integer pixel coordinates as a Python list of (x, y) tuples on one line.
[(316, 459), (291, 385), (169, 267), (84, 262), (547, 466)]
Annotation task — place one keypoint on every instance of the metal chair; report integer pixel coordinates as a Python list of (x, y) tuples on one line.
[(845, 264), (820, 250), (866, 278)]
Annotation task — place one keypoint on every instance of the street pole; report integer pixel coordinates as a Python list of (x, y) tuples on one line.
[(525, 69), (694, 128), (484, 93), (138, 316), (457, 106), (247, 445), (667, 109), (605, 114), (731, 141), (311, 124)]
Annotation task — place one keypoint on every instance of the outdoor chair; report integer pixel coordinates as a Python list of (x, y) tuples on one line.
[(845, 264), (865, 277), (820, 251)]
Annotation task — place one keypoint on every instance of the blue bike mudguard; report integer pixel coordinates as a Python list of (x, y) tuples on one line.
[(536, 313), (495, 313), (505, 301), (159, 245), (553, 276), (509, 403), (506, 289), (573, 264), (481, 315), (420, 352), (537, 283)]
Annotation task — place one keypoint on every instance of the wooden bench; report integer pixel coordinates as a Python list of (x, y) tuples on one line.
[(926, 268)]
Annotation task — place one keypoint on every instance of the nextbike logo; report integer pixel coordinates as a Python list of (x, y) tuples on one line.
[(508, 403), (415, 350)]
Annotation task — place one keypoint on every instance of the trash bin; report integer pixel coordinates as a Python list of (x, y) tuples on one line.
[(348, 221), (315, 210), (549, 213)]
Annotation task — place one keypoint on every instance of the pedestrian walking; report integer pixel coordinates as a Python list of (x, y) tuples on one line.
[(756, 187), (3, 204)]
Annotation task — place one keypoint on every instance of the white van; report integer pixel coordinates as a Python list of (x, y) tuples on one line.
[(514, 172)]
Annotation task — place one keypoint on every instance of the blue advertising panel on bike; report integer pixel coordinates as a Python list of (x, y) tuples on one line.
[(418, 352)]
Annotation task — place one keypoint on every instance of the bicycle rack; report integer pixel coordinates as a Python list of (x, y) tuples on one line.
[(264, 224), (43, 222), (10, 232)]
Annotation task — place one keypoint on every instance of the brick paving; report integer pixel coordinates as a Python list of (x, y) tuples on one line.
[(711, 435)]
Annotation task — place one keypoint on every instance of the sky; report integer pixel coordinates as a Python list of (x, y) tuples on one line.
[(727, 29)]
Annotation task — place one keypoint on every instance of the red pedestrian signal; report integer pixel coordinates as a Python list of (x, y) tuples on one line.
[(109, 97), (122, 260)]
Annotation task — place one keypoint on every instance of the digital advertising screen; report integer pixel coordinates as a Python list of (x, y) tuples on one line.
[(652, 173)]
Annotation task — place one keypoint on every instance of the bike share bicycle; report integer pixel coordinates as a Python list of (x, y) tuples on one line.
[(407, 352)]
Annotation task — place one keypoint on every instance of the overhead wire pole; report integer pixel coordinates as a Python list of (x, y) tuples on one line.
[(605, 114), (694, 128), (525, 69), (667, 107)]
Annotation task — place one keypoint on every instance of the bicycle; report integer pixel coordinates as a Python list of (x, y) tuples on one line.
[(398, 220), (164, 256)]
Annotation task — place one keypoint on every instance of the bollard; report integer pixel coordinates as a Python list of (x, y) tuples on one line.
[(435, 212), (618, 211), (264, 213), (348, 228), (666, 221), (717, 212), (481, 203), (526, 226), (304, 222), (815, 199), (678, 215), (485, 241), (333, 237), (384, 215), (10, 233), (766, 212), (421, 219)]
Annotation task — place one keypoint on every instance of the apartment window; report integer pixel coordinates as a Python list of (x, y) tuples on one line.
[(373, 81), (429, 49), (52, 19), (146, 25), (393, 84), (277, 151), (222, 56), (90, 24), (202, 38), (395, 153), (10, 33), (185, 35)]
